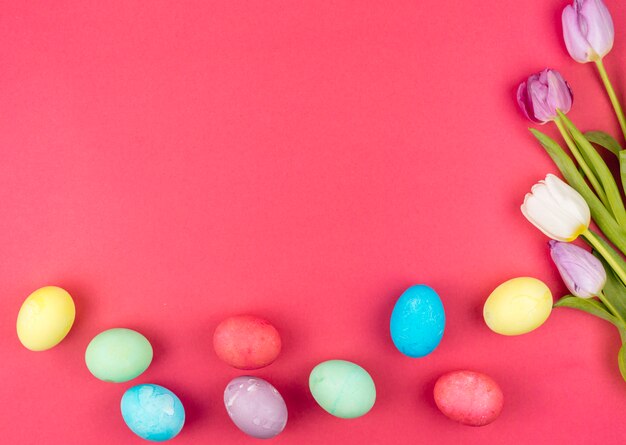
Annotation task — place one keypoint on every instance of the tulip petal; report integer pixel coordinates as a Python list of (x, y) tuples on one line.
[(530, 216), (551, 227), (545, 213), (525, 103), (559, 92), (584, 281), (569, 200), (600, 32), (556, 209), (580, 276), (575, 41), (535, 223), (574, 287), (538, 92)]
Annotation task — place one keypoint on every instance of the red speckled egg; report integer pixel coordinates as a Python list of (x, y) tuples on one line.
[(246, 342), (468, 397)]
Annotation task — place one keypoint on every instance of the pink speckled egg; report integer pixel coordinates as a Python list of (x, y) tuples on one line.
[(469, 397), (246, 342)]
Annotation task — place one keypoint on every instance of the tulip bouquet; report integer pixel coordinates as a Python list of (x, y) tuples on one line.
[(565, 211)]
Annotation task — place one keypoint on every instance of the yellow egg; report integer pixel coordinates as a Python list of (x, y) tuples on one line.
[(45, 318), (518, 306)]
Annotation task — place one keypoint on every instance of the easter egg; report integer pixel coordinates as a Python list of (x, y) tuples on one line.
[(342, 388), (118, 355), (45, 318), (468, 397), (417, 321), (255, 407), (246, 342), (518, 306), (153, 412)]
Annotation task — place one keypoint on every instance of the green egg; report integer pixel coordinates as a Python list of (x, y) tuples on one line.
[(118, 355), (342, 388)]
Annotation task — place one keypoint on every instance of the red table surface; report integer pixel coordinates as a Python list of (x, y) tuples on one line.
[(173, 163)]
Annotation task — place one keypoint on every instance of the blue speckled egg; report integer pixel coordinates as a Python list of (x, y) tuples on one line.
[(153, 412), (417, 321)]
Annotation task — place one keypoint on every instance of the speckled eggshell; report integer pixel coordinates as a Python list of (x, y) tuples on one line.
[(246, 342), (255, 407), (417, 321), (153, 412), (342, 388), (45, 318), (118, 355), (468, 397)]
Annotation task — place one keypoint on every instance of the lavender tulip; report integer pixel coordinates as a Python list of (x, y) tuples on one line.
[(542, 94), (582, 273), (588, 30)]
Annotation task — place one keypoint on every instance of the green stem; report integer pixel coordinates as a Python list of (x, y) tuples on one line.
[(574, 149), (610, 307), (611, 92), (593, 240)]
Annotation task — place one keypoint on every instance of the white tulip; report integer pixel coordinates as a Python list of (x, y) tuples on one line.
[(556, 209)]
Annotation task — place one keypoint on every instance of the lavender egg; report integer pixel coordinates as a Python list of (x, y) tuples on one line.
[(255, 407)]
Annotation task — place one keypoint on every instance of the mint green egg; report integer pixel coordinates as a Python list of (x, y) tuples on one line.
[(118, 355), (342, 388)]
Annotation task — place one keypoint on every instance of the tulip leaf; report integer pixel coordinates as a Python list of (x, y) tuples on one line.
[(583, 162), (615, 256), (622, 334), (621, 361), (604, 140), (601, 170), (613, 231), (614, 292), (622, 168), (591, 306)]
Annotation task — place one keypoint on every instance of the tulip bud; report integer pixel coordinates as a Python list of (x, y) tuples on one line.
[(556, 209), (582, 273), (542, 94), (587, 30)]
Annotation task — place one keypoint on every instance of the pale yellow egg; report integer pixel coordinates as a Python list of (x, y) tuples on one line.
[(518, 306), (45, 318)]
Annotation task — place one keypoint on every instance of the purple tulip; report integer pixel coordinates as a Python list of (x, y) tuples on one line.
[(542, 94), (588, 30), (582, 273)]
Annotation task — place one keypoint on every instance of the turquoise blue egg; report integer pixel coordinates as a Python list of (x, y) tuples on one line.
[(417, 321), (153, 412)]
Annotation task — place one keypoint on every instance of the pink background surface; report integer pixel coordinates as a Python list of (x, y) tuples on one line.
[(174, 163)]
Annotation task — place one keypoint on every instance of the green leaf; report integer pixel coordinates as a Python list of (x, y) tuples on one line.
[(622, 334), (614, 290), (599, 167), (621, 361), (588, 172), (591, 306), (622, 168), (615, 256), (602, 217), (604, 140)]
